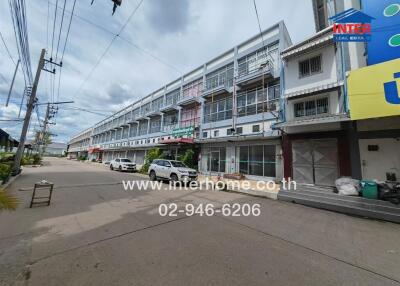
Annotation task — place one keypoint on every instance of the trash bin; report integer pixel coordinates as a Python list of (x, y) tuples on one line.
[(369, 189)]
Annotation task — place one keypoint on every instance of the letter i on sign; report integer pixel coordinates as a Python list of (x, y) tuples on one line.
[(391, 91)]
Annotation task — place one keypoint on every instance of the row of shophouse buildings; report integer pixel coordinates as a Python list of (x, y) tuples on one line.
[(269, 109)]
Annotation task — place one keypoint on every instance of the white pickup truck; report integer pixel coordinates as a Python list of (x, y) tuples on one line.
[(171, 170), (122, 164)]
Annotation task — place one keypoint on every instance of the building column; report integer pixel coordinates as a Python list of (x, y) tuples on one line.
[(162, 122), (179, 116), (287, 156), (354, 150), (148, 125), (202, 102), (129, 131)]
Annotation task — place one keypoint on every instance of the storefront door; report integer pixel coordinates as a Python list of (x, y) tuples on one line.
[(315, 161), (215, 159), (380, 159)]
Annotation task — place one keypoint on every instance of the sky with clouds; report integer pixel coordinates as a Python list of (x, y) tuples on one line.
[(162, 41)]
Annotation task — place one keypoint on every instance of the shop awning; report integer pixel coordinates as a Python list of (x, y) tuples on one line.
[(177, 141), (95, 150), (314, 120)]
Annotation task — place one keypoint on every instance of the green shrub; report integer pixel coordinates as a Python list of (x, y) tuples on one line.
[(188, 159), (5, 171), (6, 156), (37, 159), (151, 155), (27, 160)]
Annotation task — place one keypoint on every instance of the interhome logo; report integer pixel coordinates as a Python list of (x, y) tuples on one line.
[(352, 26)]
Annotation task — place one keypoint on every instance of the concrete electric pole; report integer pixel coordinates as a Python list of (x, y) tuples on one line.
[(50, 112), (30, 106)]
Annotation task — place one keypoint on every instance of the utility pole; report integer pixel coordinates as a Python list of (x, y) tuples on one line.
[(50, 111), (30, 106), (44, 130)]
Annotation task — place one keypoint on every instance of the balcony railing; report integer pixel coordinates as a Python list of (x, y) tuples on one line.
[(169, 128), (249, 71), (190, 122), (311, 108)]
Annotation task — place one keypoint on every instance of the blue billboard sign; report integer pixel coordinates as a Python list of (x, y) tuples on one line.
[(384, 44)]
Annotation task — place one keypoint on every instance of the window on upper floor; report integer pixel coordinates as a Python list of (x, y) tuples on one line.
[(128, 117), (146, 108), (216, 133), (257, 60), (143, 128), (259, 100), (312, 107), (239, 130), (205, 134), (172, 97), (218, 110), (157, 103), (229, 131), (193, 89), (190, 116), (220, 77), (135, 113), (310, 66), (170, 121), (256, 128), (155, 125)]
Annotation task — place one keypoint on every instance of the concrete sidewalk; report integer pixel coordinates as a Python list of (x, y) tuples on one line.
[(245, 186), (95, 233)]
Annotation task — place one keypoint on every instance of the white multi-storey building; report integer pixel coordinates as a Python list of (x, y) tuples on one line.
[(224, 109)]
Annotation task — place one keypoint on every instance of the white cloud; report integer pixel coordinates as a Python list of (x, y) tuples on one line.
[(185, 36)]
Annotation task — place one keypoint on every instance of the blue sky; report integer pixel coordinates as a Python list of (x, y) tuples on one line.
[(182, 34)]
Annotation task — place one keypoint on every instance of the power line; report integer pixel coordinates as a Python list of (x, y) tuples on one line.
[(144, 51), (18, 16), (85, 110), (8, 51), (54, 29), (65, 45), (108, 47), (11, 120), (61, 25), (47, 24)]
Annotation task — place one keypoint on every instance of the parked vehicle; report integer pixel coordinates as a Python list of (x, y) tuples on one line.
[(122, 164), (171, 170)]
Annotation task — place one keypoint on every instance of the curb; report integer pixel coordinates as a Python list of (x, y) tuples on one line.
[(263, 194), (10, 181)]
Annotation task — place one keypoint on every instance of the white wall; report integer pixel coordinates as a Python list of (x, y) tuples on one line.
[(333, 99), (375, 164), (293, 82), (247, 129)]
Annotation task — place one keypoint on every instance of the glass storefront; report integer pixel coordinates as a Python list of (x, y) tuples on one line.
[(258, 160), (215, 158)]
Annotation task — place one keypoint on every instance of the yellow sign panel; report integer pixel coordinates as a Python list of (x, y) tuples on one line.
[(374, 91)]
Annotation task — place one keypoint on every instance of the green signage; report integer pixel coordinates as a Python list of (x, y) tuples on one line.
[(186, 131)]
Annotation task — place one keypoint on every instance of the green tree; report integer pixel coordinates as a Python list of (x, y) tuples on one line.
[(42, 139), (188, 159), (151, 155)]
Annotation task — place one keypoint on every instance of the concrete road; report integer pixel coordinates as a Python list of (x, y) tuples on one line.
[(96, 233)]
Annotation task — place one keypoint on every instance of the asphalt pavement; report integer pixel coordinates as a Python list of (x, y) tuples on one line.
[(96, 233)]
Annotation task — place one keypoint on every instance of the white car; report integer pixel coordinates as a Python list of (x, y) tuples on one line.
[(122, 164), (171, 170)]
